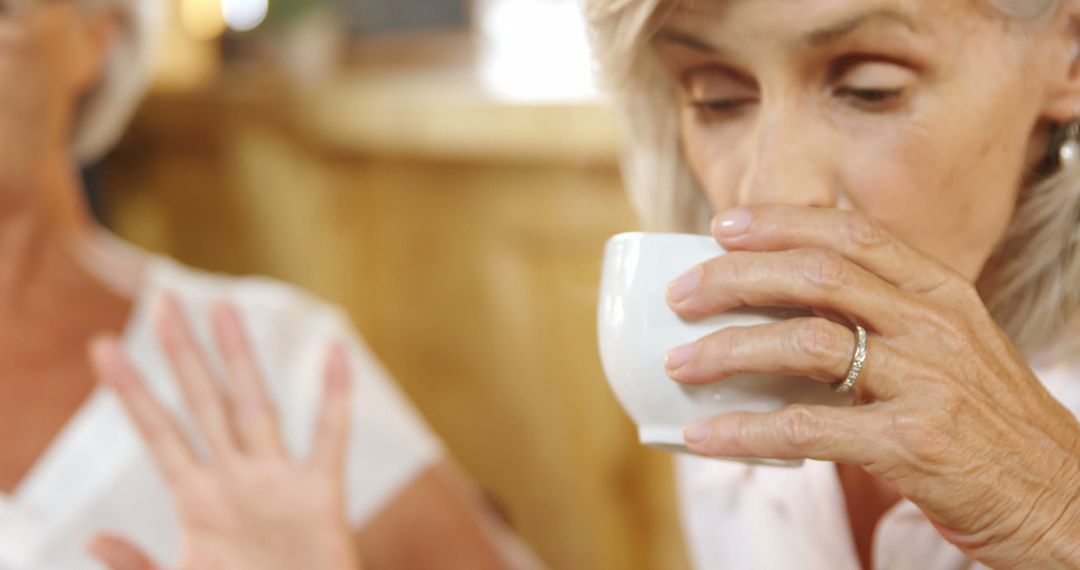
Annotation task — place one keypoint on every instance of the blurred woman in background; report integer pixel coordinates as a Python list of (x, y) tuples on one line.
[(71, 464)]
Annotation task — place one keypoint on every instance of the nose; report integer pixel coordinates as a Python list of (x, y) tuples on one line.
[(788, 162)]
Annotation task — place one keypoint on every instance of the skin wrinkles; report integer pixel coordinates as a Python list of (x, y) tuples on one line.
[(910, 116), (918, 141)]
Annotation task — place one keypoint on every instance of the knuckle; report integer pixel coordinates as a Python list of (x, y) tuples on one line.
[(824, 268), (924, 435), (815, 338), (799, 427), (862, 232), (914, 434), (720, 285), (724, 345), (722, 354), (733, 267)]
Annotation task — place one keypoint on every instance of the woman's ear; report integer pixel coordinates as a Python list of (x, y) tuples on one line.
[(99, 32), (1063, 93)]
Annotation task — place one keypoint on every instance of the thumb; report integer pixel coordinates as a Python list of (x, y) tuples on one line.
[(119, 554)]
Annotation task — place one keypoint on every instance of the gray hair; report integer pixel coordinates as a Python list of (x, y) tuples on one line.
[(1034, 292), (105, 111)]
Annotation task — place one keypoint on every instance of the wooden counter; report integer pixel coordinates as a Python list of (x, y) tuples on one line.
[(464, 236)]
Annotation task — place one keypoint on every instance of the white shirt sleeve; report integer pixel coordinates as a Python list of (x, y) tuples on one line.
[(390, 444)]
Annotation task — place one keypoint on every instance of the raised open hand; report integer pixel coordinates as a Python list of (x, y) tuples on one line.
[(245, 504)]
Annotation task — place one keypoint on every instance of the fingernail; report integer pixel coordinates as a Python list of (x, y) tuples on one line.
[(696, 433), (732, 222), (681, 356), (682, 287)]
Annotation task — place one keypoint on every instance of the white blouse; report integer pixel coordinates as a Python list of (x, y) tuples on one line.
[(96, 476), (741, 516)]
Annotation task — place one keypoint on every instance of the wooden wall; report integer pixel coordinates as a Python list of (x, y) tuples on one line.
[(464, 236)]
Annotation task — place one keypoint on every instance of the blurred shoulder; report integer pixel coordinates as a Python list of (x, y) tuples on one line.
[(255, 294), (282, 320)]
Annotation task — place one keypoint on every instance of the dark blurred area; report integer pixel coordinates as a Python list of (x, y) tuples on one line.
[(446, 172), (375, 17)]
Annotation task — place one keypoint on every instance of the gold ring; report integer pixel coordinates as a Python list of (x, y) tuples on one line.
[(857, 360)]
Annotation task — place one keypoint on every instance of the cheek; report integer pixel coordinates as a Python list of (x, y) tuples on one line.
[(37, 56), (18, 48), (25, 93), (938, 190), (38, 99), (947, 179), (928, 182), (47, 42)]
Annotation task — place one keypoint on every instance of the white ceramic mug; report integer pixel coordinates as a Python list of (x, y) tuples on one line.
[(637, 329)]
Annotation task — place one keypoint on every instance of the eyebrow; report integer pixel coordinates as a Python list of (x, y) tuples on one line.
[(843, 28), (815, 38), (686, 40)]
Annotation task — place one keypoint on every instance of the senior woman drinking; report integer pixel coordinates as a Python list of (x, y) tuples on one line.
[(907, 168), (71, 464)]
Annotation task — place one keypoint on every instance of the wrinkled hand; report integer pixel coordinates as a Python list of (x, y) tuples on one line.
[(950, 414), (246, 505)]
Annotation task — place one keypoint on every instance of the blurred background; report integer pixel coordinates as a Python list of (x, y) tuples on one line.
[(445, 171)]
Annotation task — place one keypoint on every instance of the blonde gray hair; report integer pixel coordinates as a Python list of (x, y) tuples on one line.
[(104, 112), (1035, 291)]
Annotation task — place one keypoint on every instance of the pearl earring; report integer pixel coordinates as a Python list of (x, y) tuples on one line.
[(1069, 149)]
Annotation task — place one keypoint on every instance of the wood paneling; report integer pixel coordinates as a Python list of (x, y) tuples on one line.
[(472, 275)]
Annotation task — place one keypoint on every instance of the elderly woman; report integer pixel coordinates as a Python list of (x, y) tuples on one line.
[(907, 168), (72, 465)]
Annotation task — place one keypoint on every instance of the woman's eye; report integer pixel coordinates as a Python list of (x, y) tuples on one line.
[(717, 92), (720, 105), (872, 85), (870, 98)]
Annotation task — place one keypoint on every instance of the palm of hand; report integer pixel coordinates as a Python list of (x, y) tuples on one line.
[(260, 514), (246, 505)]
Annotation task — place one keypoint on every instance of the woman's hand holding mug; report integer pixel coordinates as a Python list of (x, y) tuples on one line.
[(950, 414)]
